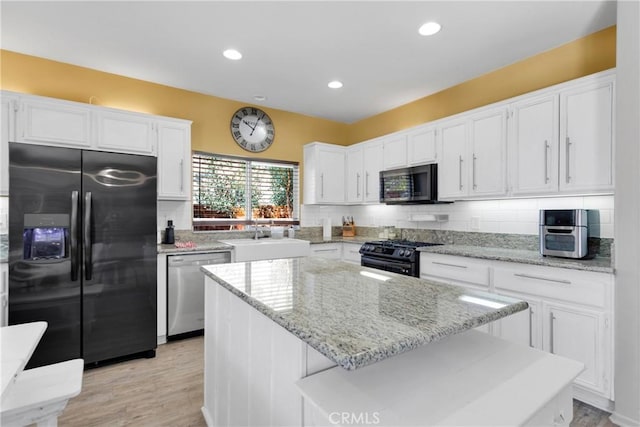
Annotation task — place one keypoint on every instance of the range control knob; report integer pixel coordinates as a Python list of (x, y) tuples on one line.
[(407, 253)]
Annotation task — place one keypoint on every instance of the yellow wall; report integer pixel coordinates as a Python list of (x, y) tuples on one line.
[(211, 115), (588, 55)]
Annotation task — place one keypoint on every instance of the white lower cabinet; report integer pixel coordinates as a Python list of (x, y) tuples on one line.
[(570, 312), (579, 334), (326, 250), (467, 272), (524, 327), (351, 252)]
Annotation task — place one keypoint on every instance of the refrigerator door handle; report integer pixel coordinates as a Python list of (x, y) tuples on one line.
[(74, 236), (87, 236)]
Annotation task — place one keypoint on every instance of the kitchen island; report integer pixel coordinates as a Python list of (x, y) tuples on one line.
[(271, 323)]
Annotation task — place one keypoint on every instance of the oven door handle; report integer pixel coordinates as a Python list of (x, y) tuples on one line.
[(387, 265)]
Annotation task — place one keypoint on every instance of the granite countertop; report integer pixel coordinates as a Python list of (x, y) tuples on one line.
[(339, 239), (597, 264), (356, 319), (213, 245)]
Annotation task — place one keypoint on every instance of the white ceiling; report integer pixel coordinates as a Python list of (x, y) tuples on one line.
[(292, 49)]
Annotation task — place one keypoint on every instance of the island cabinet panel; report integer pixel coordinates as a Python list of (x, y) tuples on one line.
[(251, 364)]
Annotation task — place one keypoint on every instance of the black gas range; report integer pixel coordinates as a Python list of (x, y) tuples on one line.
[(398, 256)]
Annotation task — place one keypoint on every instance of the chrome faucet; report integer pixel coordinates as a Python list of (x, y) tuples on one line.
[(257, 230)]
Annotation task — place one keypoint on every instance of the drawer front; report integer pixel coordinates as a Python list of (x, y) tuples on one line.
[(573, 286), (456, 268), (327, 250), (351, 252)]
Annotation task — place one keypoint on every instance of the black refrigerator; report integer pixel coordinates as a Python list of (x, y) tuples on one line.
[(82, 251)]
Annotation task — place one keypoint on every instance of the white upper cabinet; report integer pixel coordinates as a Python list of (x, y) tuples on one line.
[(533, 145), (488, 142), (355, 179), (586, 137), (452, 166), (395, 151), (422, 146), (364, 163), (174, 160), (54, 122), (373, 164), (7, 131), (125, 132), (324, 173)]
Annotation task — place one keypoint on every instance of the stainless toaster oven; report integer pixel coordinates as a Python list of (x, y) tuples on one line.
[(565, 232)]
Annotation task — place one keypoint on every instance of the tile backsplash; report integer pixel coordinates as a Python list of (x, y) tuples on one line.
[(509, 216)]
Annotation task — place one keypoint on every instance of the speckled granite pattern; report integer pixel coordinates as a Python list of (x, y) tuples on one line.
[(598, 264), (353, 319)]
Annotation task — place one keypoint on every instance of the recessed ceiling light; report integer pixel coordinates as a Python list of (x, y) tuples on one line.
[(232, 54), (429, 29), (260, 98), (335, 84)]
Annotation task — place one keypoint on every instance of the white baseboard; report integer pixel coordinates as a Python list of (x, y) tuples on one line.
[(592, 399), (623, 421), (162, 339), (207, 417)]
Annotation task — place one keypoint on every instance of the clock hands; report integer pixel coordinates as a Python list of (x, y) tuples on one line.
[(249, 124), (257, 121)]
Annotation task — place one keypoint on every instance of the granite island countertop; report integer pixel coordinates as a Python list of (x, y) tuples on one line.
[(597, 264), (353, 315)]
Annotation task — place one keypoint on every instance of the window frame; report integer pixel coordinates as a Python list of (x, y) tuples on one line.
[(233, 223)]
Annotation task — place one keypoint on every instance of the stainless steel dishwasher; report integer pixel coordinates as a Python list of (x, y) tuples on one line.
[(185, 292)]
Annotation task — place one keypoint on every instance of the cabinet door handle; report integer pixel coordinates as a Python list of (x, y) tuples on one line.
[(460, 172), (358, 184), (551, 337), (473, 171), (568, 163), (322, 186), (449, 265), (546, 161), (181, 176), (366, 184), (546, 279), (530, 327)]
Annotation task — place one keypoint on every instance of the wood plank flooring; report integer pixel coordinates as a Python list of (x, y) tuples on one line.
[(168, 390)]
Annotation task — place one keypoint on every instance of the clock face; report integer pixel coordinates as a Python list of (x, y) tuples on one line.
[(252, 129)]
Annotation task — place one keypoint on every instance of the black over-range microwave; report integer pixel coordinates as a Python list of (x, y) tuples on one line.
[(418, 184)]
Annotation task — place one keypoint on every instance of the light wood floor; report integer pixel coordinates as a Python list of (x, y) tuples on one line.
[(168, 390)]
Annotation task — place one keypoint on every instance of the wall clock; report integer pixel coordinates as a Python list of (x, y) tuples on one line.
[(252, 129)]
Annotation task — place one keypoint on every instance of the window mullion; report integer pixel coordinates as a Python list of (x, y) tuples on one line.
[(248, 204)]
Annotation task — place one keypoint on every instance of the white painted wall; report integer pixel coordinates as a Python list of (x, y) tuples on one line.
[(514, 216), (627, 216)]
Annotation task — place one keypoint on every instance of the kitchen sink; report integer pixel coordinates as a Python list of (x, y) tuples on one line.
[(267, 248)]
